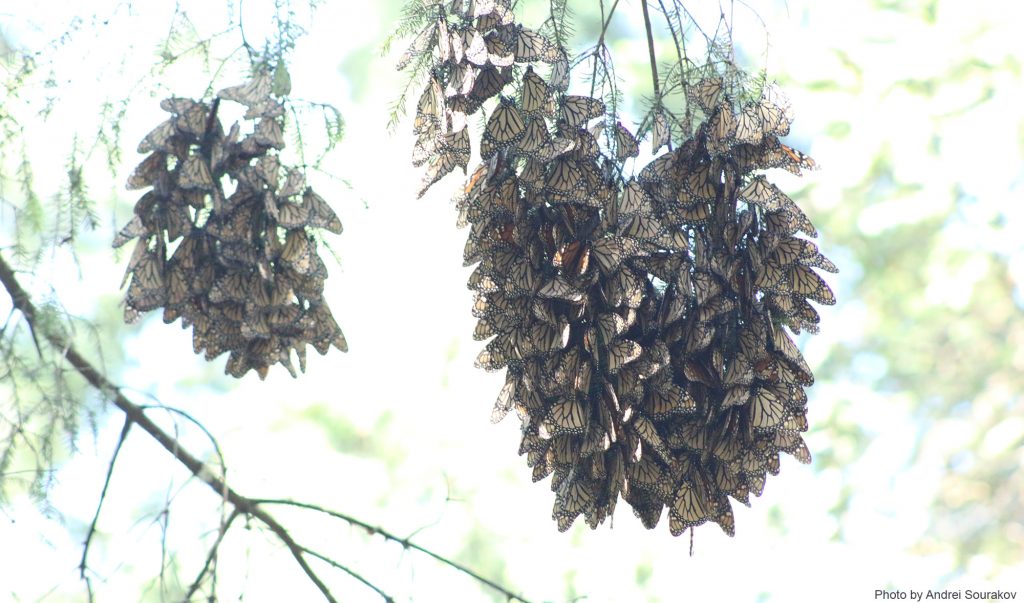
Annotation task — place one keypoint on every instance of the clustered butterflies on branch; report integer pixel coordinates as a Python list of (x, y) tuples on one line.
[(245, 274), (641, 321)]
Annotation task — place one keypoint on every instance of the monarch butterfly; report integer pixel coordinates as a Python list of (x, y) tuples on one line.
[(805, 282), (621, 353), (233, 286), (643, 228), (698, 337), (659, 170), (536, 141), (706, 286), (192, 121), (499, 53), (438, 168), (320, 213), (667, 400), (134, 228), (536, 98), (294, 183), (583, 145), (488, 82), (457, 145), (530, 46), (698, 213), (750, 126), (474, 48), (609, 326), (705, 93), (559, 288), (521, 278), (798, 450), (626, 144), (268, 133), (611, 251), (161, 138), (736, 395), (562, 451), (645, 475), (715, 307), (700, 184), (634, 201), (651, 440), (801, 372), (578, 110), (566, 179), (544, 338), (688, 509), (774, 116), (762, 193), (623, 289), (497, 14), (566, 417), (770, 276), (328, 332), (559, 78), (504, 128), (573, 258), (798, 158), (298, 251), (572, 499), (791, 249), (419, 45), (794, 423), (660, 132), (722, 130), (767, 411), (147, 287), (505, 399), (739, 372), (259, 87), (429, 109), (291, 215)]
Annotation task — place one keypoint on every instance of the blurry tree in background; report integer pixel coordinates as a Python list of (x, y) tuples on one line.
[(917, 430)]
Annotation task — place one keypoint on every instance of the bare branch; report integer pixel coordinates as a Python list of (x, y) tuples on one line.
[(405, 542)]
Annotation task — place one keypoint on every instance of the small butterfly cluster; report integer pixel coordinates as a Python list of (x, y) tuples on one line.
[(471, 49), (640, 321), (241, 269)]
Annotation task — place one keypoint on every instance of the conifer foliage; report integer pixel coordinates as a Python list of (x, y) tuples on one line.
[(641, 320), (240, 268)]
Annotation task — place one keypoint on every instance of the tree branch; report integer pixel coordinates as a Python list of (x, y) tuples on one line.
[(135, 414), (650, 49), (405, 542)]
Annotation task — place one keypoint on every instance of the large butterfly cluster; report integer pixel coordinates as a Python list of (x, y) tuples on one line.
[(240, 267), (641, 321)]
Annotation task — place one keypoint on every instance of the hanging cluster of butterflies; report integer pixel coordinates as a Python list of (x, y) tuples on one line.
[(241, 268), (641, 322)]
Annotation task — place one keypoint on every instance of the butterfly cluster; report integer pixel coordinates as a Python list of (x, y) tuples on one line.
[(471, 50), (240, 267), (640, 321)]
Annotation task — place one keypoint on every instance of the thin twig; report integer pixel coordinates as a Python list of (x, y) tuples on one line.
[(83, 565), (211, 556), (600, 41), (350, 572), (650, 49), (394, 538)]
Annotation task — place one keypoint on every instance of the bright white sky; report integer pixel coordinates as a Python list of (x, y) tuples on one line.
[(408, 387)]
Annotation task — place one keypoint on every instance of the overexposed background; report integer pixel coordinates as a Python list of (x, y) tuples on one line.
[(912, 109)]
